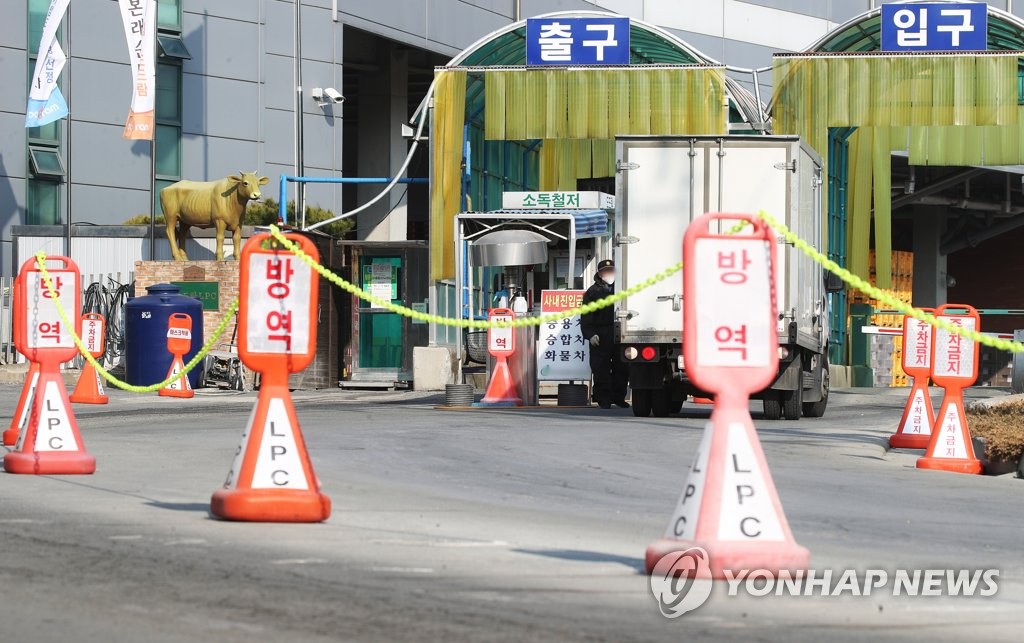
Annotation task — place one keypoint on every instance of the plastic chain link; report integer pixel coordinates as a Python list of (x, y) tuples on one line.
[(882, 296), (469, 323), (41, 260)]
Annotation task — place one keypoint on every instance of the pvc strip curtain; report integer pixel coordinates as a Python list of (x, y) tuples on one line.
[(446, 146), (603, 103), (563, 161), (944, 110)]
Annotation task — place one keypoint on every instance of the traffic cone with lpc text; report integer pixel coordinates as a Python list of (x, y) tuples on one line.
[(89, 389), (20, 419), (272, 479), (179, 342), (729, 515), (729, 506), (50, 442), (180, 387)]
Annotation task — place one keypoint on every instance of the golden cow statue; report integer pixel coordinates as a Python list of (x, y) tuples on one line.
[(209, 204)]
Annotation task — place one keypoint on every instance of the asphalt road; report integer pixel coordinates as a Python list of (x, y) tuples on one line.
[(478, 525)]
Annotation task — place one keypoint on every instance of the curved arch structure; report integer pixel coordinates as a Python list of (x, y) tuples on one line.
[(649, 44), (863, 33), (500, 126), (857, 105)]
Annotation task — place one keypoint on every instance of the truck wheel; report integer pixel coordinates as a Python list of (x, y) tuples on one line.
[(772, 404), (661, 402), (817, 409), (642, 402), (793, 401), (678, 394)]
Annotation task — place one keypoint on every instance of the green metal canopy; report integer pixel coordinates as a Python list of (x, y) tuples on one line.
[(648, 45), (864, 33)]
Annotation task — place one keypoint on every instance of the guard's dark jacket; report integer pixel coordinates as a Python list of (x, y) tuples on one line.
[(600, 322)]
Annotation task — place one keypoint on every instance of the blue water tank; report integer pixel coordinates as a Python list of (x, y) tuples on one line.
[(145, 334)]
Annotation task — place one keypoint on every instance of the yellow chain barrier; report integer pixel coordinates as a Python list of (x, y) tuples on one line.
[(790, 237), (604, 302), (884, 297), (41, 260)]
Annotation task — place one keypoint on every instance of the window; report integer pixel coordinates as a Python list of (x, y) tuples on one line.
[(168, 15), (168, 119), (172, 47), (37, 10), (46, 167), (168, 152), (43, 203), (45, 162)]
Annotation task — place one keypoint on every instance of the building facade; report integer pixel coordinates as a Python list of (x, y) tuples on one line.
[(226, 94)]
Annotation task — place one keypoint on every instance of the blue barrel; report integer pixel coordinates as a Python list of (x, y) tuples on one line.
[(145, 334)]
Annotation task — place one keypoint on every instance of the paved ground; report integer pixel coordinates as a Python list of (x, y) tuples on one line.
[(478, 525)]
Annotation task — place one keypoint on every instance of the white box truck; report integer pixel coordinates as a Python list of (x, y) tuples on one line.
[(662, 184)]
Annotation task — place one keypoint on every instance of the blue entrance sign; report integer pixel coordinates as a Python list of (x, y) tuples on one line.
[(935, 26), (577, 41)]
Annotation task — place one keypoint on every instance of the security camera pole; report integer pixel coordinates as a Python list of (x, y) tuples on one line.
[(300, 188)]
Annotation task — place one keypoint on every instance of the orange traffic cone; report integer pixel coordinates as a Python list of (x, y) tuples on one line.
[(729, 506), (180, 387), (20, 419), (954, 366), (50, 443), (89, 389), (950, 447), (501, 390), (272, 479), (915, 429)]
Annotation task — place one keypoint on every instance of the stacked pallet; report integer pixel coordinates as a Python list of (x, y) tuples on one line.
[(887, 350)]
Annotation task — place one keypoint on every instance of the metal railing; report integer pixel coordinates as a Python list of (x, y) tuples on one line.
[(102, 293)]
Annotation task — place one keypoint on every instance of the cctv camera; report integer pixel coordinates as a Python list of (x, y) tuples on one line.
[(334, 95)]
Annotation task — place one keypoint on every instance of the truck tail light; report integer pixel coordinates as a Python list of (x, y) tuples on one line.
[(630, 352), (648, 353)]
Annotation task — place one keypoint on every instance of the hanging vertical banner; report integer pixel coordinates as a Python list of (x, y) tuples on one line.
[(45, 102), (139, 19)]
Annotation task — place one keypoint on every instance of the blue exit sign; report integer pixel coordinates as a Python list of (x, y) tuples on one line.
[(577, 41)]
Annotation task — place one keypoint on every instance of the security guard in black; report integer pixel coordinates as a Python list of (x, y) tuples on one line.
[(610, 374)]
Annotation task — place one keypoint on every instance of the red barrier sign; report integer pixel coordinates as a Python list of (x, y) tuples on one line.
[(277, 294), (729, 506), (915, 427), (954, 367), (501, 342)]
